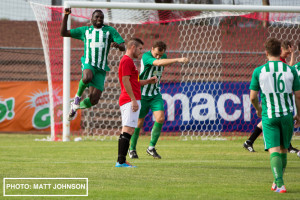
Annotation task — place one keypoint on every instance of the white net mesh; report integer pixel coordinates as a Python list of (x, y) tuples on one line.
[(207, 97)]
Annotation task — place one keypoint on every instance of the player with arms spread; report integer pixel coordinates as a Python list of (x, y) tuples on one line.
[(97, 39), (152, 64), (277, 81)]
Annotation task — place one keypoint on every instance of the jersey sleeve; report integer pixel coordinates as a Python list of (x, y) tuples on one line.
[(254, 85), (78, 33), (116, 37), (148, 59), (127, 67), (296, 82)]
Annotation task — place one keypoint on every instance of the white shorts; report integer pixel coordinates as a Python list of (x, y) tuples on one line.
[(130, 118)]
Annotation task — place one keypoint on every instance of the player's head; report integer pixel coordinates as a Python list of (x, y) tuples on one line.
[(158, 49), (285, 49), (97, 18), (135, 45), (273, 47)]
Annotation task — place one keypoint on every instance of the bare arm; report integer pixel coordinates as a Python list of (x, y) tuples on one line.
[(151, 80), (164, 62), (292, 61), (128, 88), (121, 46), (63, 29), (254, 101)]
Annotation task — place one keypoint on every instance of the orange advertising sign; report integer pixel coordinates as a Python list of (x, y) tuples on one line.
[(24, 106)]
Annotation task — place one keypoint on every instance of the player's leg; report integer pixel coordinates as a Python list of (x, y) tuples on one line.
[(87, 76), (145, 106), (129, 122), (95, 90), (248, 144), (157, 107), (93, 99), (134, 138), (287, 127), (272, 144)]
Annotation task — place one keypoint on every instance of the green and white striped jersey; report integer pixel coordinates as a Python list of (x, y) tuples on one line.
[(96, 44), (297, 68), (148, 70), (277, 81)]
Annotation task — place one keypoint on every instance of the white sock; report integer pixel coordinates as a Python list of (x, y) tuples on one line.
[(150, 148)]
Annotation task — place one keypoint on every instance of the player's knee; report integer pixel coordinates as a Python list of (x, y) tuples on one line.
[(140, 124), (86, 79), (87, 76), (94, 100), (161, 119)]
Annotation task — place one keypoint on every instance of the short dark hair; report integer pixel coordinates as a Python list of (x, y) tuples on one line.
[(135, 42), (298, 46), (160, 45), (286, 44), (100, 11), (273, 47)]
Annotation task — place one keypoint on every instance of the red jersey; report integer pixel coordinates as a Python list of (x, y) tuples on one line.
[(282, 60), (127, 68)]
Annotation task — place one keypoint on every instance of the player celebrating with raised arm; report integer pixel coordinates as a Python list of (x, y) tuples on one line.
[(277, 81), (152, 64), (130, 97), (97, 39)]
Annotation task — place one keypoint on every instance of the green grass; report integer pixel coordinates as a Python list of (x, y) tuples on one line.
[(188, 169)]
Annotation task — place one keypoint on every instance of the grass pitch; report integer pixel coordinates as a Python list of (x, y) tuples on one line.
[(188, 169)]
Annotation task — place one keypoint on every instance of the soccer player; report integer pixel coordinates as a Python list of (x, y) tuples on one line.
[(152, 64), (286, 50), (97, 38), (277, 81), (130, 97)]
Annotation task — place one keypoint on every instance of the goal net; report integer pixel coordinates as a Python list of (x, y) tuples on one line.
[(209, 96)]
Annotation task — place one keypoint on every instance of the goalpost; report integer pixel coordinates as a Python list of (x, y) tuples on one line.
[(207, 97)]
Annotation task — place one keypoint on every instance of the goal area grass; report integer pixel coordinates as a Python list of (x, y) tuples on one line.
[(192, 169)]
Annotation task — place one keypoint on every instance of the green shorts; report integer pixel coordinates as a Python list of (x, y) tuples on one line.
[(155, 103), (98, 76), (278, 131)]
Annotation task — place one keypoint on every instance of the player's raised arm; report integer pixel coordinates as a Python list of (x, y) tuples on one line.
[(63, 29), (164, 62), (291, 50), (121, 46)]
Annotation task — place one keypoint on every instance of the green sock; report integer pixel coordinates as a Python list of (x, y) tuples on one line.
[(81, 88), (276, 167), (86, 103), (155, 133), (284, 161), (134, 138)]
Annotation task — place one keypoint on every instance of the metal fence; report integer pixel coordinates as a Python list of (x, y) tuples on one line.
[(21, 54)]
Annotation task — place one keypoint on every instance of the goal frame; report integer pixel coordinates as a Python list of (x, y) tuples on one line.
[(143, 6)]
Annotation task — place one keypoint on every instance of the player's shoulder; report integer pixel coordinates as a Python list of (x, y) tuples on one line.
[(126, 59), (260, 68), (147, 54), (84, 27), (297, 65), (110, 28)]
